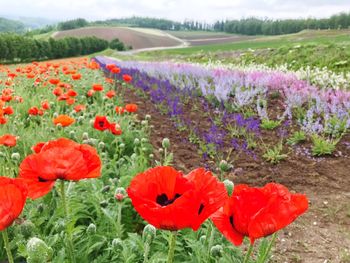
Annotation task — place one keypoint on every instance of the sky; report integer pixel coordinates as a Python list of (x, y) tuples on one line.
[(179, 10)]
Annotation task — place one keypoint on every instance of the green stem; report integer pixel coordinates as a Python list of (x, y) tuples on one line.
[(210, 238), (119, 219), (7, 246), (172, 243), (249, 252), (146, 250), (267, 252), (66, 217)]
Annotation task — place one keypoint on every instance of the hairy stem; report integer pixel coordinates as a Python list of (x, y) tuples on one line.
[(172, 244), (7, 246)]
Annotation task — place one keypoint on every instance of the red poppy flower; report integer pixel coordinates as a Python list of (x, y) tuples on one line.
[(72, 93), (115, 129), (76, 76), (64, 120), (258, 212), (79, 108), (101, 123), (45, 105), (59, 159), (97, 87), (110, 66), (13, 195), (90, 93), (131, 107), (33, 111), (127, 78), (169, 200), (8, 140), (54, 81), (8, 110), (110, 94), (57, 91), (115, 70), (37, 147)]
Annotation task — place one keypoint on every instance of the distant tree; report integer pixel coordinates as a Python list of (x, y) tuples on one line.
[(72, 24), (117, 45)]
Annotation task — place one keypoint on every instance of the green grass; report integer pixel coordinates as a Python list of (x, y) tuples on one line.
[(44, 36)]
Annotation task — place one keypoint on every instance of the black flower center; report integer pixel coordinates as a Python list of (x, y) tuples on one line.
[(200, 209), (42, 180), (101, 124), (231, 221), (164, 201)]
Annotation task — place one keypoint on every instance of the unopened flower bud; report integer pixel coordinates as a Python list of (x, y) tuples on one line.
[(166, 143), (104, 204), (136, 141), (149, 233), (106, 189), (122, 146), (120, 193), (117, 244), (38, 251), (144, 140), (229, 186), (27, 228), (15, 156), (224, 166), (147, 117), (91, 229), (101, 145), (144, 123), (216, 251), (151, 156)]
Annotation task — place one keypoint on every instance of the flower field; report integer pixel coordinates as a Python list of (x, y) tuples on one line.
[(89, 173)]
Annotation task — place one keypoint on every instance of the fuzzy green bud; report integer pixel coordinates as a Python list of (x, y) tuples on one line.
[(166, 143), (106, 189), (144, 123), (136, 142), (144, 140), (117, 244), (122, 146), (85, 136), (120, 193), (224, 166), (151, 156), (147, 117), (38, 251), (101, 145), (15, 156), (216, 251), (27, 228), (229, 186), (91, 229), (149, 233)]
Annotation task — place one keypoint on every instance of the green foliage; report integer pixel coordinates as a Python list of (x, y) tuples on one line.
[(268, 124), (297, 137), (72, 24), (323, 146), (16, 48), (117, 45), (274, 155)]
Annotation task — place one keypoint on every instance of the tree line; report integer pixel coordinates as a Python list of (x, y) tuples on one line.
[(18, 48), (255, 26)]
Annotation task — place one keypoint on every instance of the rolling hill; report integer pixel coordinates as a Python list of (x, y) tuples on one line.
[(138, 38)]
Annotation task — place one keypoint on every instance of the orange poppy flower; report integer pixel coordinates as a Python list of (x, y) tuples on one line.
[(115, 129), (119, 110), (90, 93), (8, 140), (79, 108), (13, 196), (115, 70), (59, 159), (64, 120), (72, 93), (131, 107), (45, 105), (54, 81)]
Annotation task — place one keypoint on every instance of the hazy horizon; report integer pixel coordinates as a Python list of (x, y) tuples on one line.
[(180, 10)]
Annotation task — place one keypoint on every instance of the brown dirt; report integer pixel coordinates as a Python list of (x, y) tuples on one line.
[(323, 233), (136, 39)]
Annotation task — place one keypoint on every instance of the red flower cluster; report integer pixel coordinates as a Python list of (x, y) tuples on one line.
[(258, 212)]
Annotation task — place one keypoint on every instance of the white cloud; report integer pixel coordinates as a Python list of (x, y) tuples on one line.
[(204, 10)]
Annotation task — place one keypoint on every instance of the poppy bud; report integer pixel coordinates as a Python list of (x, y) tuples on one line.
[(144, 140), (120, 194), (38, 251), (160, 150), (203, 239), (101, 145), (117, 244), (151, 156), (224, 166), (136, 141), (91, 229), (122, 146), (144, 123), (166, 143), (85, 136), (148, 117), (72, 134), (144, 149), (40, 208), (59, 126), (216, 251), (133, 156), (27, 228), (229, 186), (15, 156), (149, 233), (106, 189), (55, 115)]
